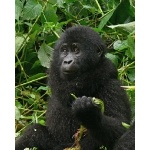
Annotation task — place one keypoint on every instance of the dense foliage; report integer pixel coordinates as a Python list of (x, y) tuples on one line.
[(38, 25)]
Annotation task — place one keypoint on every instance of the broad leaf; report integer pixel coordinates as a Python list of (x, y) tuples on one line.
[(123, 14), (60, 3), (131, 75), (120, 45), (129, 27), (105, 19), (31, 10), (17, 113), (19, 41), (44, 55), (34, 77), (50, 14), (18, 9), (113, 58), (131, 44), (44, 88)]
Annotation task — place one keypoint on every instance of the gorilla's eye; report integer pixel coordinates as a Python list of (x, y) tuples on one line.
[(64, 47), (75, 47)]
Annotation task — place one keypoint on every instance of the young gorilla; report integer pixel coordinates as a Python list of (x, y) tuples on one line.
[(79, 66)]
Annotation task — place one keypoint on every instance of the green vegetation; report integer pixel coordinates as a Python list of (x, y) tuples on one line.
[(39, 23)]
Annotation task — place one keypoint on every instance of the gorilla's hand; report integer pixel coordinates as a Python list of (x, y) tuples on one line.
[(87, 112)]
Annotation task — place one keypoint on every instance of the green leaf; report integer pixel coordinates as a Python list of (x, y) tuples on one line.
[(127, 126), (31, 10), (90, 8), (105, 19), (18, 9), (44, 88), (36, 64), (34, 34), (42, 122), (120, 45), (18, 104), (53, 1), (131, 75), (73, 96), (17, 113), (131, 44), (123, 13), (44, 55), (60, 3), (34, 77), (129, 27), (113, 58), (50, 14), (100, 103), (32, 96), (70, 1), (19, 41)]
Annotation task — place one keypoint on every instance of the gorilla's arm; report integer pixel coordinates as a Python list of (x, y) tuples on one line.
[(56, 115), (60, 123), (35, 136), (127, 141), (107, 127)]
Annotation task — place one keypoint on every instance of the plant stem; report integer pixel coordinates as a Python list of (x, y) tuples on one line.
[(99, 7), (22, 69), (125, 67), (129, 87), (31, 81)]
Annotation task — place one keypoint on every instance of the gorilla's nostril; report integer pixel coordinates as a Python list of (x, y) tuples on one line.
[(68, 62)]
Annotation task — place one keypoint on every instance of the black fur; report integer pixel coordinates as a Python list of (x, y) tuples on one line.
[(97, 77), (127, 140)]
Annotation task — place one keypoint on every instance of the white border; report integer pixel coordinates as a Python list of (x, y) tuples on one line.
[(142, 74), (7, 74)]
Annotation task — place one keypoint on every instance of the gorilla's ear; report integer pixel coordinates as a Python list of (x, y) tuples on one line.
[(100, 50), (99, 53)]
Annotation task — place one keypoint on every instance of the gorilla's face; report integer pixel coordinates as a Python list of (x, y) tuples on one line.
[(70, 54), (75, 58), (77, 51)]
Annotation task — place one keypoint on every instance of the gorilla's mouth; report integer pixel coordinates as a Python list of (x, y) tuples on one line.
[(69, 72)]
